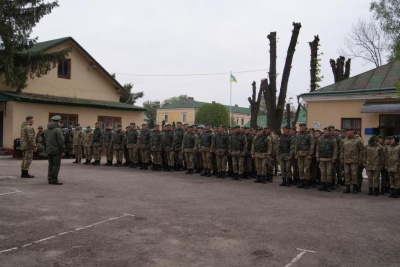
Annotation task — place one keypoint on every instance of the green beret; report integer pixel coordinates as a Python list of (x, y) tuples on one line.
[(380, 136), (302, 124), (29, 117), (56, 118), (350, 129), (40, 127), (318, 131), (294, 128), (372, 139), (286, 127), (311, 129), (327, 128), (260, 128)]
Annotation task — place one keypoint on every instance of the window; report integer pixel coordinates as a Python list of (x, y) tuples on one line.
[(352, 123), (165, 118), (64, 69), (237, 121), (103, 120), (66, 119), (183, 117), (389, 124), (242, 121)]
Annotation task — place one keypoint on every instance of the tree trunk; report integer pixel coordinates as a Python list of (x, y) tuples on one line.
[(269, 88), (314, 63), (254, 106), (285, 77), (339, 69)]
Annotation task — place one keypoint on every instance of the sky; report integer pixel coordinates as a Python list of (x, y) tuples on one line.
[(158, 44)]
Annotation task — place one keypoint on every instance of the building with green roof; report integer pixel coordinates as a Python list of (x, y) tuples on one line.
[(185, 110), (367, 102), (78, 89)]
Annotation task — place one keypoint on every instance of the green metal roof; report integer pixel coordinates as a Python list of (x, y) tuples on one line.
[(67, 101), (380, 80), (262, 119), (191, 103), (43, 46)]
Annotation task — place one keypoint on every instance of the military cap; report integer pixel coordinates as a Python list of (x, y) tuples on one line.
[(167, 124), (29, 117), (132, 123), (246, 127), (144, 124), (88, 127), (350, 129), (127, 127), (119, 125), (266, 128), (40, 127), (190, 126), (396, 138), (206, 124), (387, 137), (331, 127), (327, 128), (178, 122), (379, 136), (311, 129), (317, 131), (302, 124), (236, 127), (372, 139), (294, 128), (260, 128), (56, 118), (286, 127)]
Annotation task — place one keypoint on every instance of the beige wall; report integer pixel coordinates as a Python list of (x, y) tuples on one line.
[(332, 112), (84, 83), (17, 111)]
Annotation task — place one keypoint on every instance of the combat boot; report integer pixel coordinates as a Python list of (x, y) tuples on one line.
[(190, 171), (347, 190), (76, 161), (258, 179), (323, 187), (264, 179), (155, 167), (284, 183), (370, 192), (383, 190), (355, 190), (270, 177), (328, 187), (208, 172), (396, 193), (289, 181), (96, 163), (306, 182), (391, 192), (204, 173), (109, 163), (222, 175), (376, 191), (301, 185)]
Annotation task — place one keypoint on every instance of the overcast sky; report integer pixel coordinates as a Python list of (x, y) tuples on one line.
[(135, 38)]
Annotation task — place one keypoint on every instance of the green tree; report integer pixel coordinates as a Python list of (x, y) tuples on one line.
[(387, 12), (173, 99), (129, 97), (214, 114), (151, 111), (17, 61)]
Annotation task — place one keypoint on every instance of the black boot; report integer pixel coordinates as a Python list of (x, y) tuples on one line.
[(301, 185), (204, 173), (284, 183), (223, 175), (109, 163), (258, 179), (370, 192), (76, 161), (270, 177), (25, 174), (55, 182), (328, 187), (383, 190), (264, 179), (376, 191), (396, 193), (347, 190), (289, 182), (219, 175), (306, 183), (235, 176), (323, 187), (208, 172), (391, 192), (189, 171), (355, 190)]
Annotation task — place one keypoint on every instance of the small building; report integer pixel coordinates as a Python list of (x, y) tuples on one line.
[(79, 89), (185, 110), (367, 102)]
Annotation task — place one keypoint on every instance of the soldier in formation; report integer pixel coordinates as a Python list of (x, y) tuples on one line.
[(87, 144), (28, 146), (40, 143), (77, 143)]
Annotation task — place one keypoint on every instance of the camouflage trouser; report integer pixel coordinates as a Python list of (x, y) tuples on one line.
[(97, 152), (78, 152), (248, 164), (221, 163), (230, 165), (109, 152), (156, 157), (295, 168), (313, 168), (126, 154), (261, 165), (286, 168), (394, 180), (189, 157), (385, 178), (304, 167), (350, 173), (27, 156), (207, 157), (133, 153), (119, 154), (238, 164), (145, 154), (198, 160), (326, 170), (178, 157), (171, 158), (336, 171), (88, 153), (373, 178), (270, 166)]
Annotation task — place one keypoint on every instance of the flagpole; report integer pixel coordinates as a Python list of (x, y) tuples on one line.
[(230, 101)]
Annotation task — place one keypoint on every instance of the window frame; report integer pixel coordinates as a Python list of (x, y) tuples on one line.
[(66, 122), (66, 74), (102, 119), (352, 123)]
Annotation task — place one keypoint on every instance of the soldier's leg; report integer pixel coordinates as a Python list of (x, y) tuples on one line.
[(322, 167), (354, 177), (258, 168), (295, 171), (376, 182), (135, 154), (329, 178), (241, 165), (264, 170), (235, 164), (370, 175), (300, 164), (283, 173), (27, 156), (360, 176)]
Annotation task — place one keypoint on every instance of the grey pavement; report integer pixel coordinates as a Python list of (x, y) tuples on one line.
[(109, 216)]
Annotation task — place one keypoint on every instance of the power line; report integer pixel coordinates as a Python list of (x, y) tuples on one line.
[(188, 74)]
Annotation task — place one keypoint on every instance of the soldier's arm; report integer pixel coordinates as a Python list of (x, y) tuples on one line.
[(31, 137), (253, 146), (342, 151), (312, 146), (292, 146), (270, 148), (335, 151), (60, 140), (317, 154)]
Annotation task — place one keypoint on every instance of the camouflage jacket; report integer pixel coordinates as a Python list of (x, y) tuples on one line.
[(40, 142), (189, 142), (108, 134), (168, 139), (326, 148), (98, 137), (118, 140), (238, 144), (178, 138), (304, 144), (28, 137), (373, 157), (78, 138), (393, 158), (220, 144), (286, 147), (262, 146), (351, 150), (132, 138), (155, 141), (206, 139), (87, 139)]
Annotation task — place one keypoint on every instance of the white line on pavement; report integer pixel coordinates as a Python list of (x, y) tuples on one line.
[(295, 259), (69, 232), (16, 191)]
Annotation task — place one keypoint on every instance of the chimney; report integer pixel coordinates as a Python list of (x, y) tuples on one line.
[(236, 105), (213, 102), (191, 97)]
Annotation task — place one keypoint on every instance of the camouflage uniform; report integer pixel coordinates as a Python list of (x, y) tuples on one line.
[(220, 147), (144, 140), (393, 166), (326, 155), (248, 160), (132, 138), (373, 161), (271, 162), (237, 150), (97, 144), (351, 152), (28, 145), (108, 134), (40, 144), (87, 146), (261, 150), (206, 139), (177, 146), (156, 149), (168, 138), (118, 143), (189, 145), (77, 142), (69, 136), (286, 154), (304, 149)]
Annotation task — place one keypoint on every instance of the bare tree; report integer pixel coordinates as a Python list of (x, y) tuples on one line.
[(254, 106), (314, 63), (366, 41), (275, 110), (340, 68)]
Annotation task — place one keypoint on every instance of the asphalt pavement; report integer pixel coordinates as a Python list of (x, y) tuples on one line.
[(118, 216)]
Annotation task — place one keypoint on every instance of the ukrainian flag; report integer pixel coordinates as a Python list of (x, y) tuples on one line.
[(233, 79)]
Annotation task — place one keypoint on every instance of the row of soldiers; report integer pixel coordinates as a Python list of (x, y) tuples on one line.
[(306, 157)]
